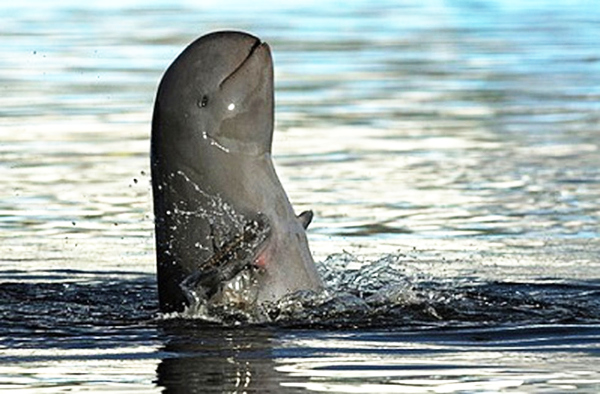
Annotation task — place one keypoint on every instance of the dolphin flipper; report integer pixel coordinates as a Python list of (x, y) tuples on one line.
[(306, 218)]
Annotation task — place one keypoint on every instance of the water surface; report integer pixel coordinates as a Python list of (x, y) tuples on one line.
[(450, 153)]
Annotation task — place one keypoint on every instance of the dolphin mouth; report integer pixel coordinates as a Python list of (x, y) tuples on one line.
[(257, 44)]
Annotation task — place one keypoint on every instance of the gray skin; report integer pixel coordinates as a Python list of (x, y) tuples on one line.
[(212, 175)]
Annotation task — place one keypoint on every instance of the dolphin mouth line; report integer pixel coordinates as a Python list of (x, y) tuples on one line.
[(214, 142), (257, 44)]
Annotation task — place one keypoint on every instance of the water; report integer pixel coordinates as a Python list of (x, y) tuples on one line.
[(450, 153)]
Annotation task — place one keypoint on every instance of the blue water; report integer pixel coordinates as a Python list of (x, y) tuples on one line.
[(449, 151)]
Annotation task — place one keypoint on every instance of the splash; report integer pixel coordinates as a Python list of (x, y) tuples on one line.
[(226, 265), (387, 292), (227, 279)]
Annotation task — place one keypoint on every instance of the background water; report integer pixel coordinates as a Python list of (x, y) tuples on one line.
[(449, 149)]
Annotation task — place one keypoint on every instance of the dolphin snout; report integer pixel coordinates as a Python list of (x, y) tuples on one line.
[(255, 49)]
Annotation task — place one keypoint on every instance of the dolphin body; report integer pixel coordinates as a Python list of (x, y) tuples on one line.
[(225, 229)]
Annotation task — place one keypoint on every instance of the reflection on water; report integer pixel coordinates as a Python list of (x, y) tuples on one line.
[(458, 140), (378, 361)]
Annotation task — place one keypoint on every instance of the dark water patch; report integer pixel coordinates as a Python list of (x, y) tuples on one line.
[(31, 306), (440, 305), (381, 294)]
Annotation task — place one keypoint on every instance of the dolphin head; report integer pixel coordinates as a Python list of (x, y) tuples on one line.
[(217, 94)]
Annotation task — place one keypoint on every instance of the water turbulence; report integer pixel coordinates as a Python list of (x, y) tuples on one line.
[(388, 293), (227, 275)]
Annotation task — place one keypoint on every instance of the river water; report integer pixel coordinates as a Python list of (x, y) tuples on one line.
[(449, 149)]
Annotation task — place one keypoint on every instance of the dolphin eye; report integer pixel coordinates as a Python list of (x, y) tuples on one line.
[(202, 101)]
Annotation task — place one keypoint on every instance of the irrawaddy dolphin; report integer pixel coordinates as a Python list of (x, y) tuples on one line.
[(225, 229)]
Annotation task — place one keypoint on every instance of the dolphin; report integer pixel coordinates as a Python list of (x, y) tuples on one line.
[(225, 229)]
